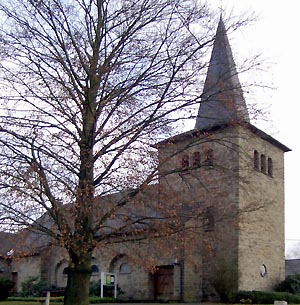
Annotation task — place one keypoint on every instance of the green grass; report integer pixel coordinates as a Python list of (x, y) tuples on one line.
[(7, 302), (29, 301), (53, 300)]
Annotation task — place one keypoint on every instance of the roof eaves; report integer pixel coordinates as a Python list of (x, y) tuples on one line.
[(268, 138)]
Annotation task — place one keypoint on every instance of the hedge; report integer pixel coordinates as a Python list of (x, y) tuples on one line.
[(262, 297), (5, 286)]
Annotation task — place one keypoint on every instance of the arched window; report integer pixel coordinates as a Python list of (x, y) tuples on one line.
[(270, 167), (95, 269), (256, 160), (263, 165), (196, 158), (66, 271), (125, 268), (185, 161), (209, 157)]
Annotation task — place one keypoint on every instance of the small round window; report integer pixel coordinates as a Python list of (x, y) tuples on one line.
[(263, 270)]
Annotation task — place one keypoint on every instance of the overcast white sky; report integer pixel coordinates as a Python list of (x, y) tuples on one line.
[(276, 36)]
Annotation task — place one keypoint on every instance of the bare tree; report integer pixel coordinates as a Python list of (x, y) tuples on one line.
[(86, 87)]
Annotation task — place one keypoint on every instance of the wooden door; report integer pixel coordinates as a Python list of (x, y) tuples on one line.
[(15, 280), (164, 283)]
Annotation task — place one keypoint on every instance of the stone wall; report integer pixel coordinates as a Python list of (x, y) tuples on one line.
[(213, 189), (23, 268), (261, 227)]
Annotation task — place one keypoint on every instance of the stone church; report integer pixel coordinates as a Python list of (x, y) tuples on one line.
[(241, 169)]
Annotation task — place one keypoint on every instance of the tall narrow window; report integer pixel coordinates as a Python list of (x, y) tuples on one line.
[(256, 160), (196, 158), (270, 167), (263, 165), (208, 220), (185, 162), (209, 159)]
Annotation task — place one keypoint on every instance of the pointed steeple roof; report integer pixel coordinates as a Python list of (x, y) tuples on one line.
[(222, 100)]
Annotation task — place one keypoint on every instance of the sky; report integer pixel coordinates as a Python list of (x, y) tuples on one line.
[(275, 35)]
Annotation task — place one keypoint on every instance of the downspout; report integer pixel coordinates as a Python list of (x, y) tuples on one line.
[(181, 275)]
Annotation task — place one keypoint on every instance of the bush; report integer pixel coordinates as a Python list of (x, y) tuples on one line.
[(262, 297), (33, 286), (5, 286), (291, 284), (224, 279), (95, 288), (108, 291)]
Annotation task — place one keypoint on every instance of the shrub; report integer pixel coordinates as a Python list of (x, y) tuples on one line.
[(291, 284), (95, 288), (262, 297), (33, 286), (5, 286), (108, 291), (224, 279)]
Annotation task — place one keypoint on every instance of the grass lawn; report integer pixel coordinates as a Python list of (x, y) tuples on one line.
[(53, 301), (29, 301), (26, 303)]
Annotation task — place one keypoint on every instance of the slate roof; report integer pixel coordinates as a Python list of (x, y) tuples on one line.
[(23, 243), (292, 266), (141, 214), (194, 133), (7, 242), (222, 100)]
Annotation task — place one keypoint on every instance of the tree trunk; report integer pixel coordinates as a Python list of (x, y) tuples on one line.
[(77, 290)]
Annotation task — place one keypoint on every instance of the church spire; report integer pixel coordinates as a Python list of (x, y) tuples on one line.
[(222, 100)]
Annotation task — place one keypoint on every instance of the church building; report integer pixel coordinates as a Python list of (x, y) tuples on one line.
[(226, 165)]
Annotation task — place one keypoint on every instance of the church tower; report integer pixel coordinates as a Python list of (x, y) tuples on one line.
[(235, 172)]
